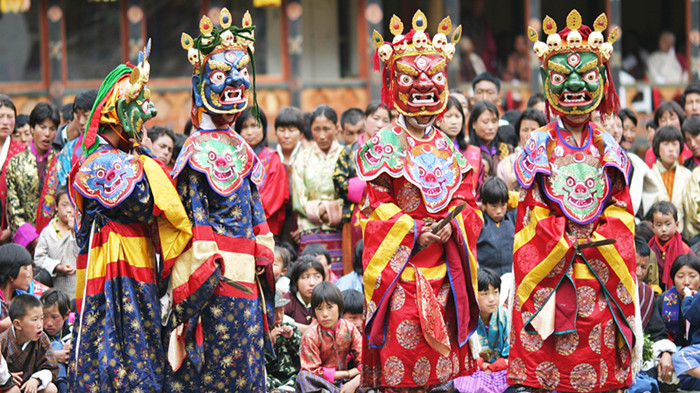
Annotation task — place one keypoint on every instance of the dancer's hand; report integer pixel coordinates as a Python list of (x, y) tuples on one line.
[(425, 239), (445, 233)]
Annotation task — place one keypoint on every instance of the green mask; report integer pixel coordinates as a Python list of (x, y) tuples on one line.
[(132, 115), (573, 82)]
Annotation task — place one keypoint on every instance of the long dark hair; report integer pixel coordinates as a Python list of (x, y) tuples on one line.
[(479, 108), (452, 102), (245, 115), (12, 258)]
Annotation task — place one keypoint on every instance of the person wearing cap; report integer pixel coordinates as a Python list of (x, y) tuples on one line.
[(283, 367)]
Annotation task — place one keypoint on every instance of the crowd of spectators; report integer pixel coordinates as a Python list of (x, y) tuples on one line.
[(313, 200)]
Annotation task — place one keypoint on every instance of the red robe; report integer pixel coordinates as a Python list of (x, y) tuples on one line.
[(421, 304), (274, 190), (573, 314)]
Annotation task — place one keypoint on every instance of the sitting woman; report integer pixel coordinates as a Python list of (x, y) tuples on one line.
[(686, 361), (685, 273)]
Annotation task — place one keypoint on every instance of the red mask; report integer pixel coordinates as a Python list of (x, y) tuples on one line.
[(419, 84)]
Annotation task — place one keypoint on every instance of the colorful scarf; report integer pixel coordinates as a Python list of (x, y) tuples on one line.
[(668, 252), (670, 311)]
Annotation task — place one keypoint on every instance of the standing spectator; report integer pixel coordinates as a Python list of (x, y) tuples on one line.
[(518, 64), (538, 102), (494, 248), (471, 64), (289, 125), (162, 143), (352, 125), (57, 251), (377, 116), (667, 179), (314, 196), (691, 131), (26, 173), (487, 87), (347, 185), (8, 149), (23, 133), (274, 190), (665, 65), (483, 133), (639, 167), (690, 100), (68, 156)]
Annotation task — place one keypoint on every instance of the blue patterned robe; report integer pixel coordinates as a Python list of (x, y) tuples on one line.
[(222, 307)]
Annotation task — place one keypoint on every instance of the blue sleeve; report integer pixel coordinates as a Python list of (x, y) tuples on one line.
[(691, 309)]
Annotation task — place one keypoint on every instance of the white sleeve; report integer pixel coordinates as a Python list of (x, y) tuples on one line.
[(45, 377), (4, 371)]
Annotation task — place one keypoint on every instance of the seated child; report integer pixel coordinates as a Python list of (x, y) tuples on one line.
[(667, 243), (327, 345), (56, 310), (493, 336), (279, 268), (56, 252), (306, 274), (283, 367), (27, 349), (320, 252), (354, 302), (495, 244)]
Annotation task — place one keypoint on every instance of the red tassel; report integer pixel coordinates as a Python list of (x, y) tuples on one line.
[(198, 334), (375, 61), (612, 100)]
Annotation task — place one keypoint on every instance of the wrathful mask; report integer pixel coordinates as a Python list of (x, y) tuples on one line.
[(222, 85), (573, 82), (420, 84)]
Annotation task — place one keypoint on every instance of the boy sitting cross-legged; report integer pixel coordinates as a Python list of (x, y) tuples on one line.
[(27, 349)]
